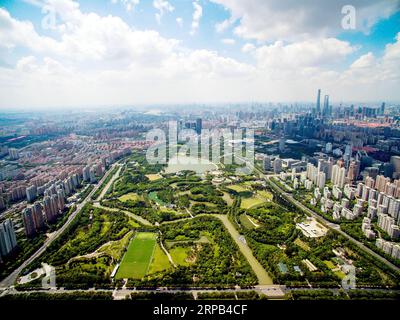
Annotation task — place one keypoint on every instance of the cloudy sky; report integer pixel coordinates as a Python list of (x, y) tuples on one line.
[(59, 53)]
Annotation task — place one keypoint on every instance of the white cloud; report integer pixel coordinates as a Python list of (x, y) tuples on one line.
[(293, 20), (128, 4), (373, 70), (248, 47), (225, 24), (163, 6), (20, 33), (102, 60), (179, 21), (228, 41), (365, 61), (197, 14), (309, 53)]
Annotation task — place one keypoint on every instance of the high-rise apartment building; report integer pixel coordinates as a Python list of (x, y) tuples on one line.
[(8, 240)]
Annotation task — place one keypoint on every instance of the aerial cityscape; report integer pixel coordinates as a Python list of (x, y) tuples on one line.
[(192, 150)]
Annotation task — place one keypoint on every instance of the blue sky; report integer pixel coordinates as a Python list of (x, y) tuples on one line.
[(269, 51)]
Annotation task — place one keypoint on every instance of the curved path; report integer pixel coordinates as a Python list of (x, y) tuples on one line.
[(128, 213)]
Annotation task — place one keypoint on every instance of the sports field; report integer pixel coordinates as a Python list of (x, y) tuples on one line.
[(137, 258), (153, 177), (237, 188)]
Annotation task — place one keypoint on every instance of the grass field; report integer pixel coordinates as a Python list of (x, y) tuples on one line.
[(179, 255), (246, 221), (237, 188), (160, 261), (266, 194), (130, 196), (136, 261), (202, 239), (153, 196), (329, 264), (153, 177), (227, 198), (304, 246), (254, 201)]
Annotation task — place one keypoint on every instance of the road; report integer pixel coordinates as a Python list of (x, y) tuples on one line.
[(10, 280), (262, 275), (272, 291), (105, 189)]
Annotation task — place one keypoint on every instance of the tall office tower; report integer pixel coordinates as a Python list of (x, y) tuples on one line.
[(199, 125), (382, 109), (267, 163), (8, 240), (38, 216), (318, 106), (29, 224), (325, 110), (31, 193), (277, 165)]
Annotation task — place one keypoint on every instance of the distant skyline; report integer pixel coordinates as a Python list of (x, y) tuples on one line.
[(58, 53)]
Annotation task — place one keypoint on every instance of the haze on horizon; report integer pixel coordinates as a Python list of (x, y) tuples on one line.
[(136, 52)]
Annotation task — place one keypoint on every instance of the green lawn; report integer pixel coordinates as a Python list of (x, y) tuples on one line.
[(179, 255), (227, 198), (255, 201), (304, 246), (237, 188), (246, 222), (160, 261), (153, 196), (266, 194), (129, 196), (137, 258), (329, 264)]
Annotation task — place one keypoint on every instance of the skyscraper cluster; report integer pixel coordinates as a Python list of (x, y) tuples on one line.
[(326, 109), (35, 216)]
